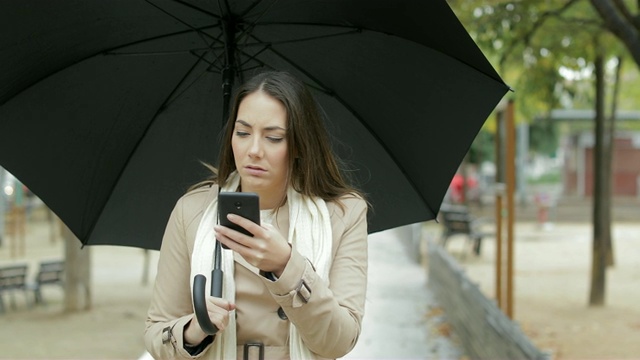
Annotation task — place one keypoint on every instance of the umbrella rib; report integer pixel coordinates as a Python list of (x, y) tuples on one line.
[(104, 52), (265, 46), (227, 7), (319, 37), (357, 116), (200, 33), (143, 53), (215, 64), (191, 6), (153, 38), (218, 56), (250, 7), (170, 99), (494, 76), (259, 16), (254, 56)]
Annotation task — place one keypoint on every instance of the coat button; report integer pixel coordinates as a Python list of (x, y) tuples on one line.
[(282, 314)]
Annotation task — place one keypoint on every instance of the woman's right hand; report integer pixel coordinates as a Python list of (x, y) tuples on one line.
[(219, 311)]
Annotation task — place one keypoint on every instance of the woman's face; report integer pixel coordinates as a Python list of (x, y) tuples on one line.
[(259, 146)]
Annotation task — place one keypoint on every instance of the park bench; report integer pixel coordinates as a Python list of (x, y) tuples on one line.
[(457, 220), (50, 272), (12, 278)]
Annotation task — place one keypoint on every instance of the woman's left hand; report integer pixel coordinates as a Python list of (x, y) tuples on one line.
[(267, 249)]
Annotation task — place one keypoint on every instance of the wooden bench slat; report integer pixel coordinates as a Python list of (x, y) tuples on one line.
[(12, 278), (49, 273)]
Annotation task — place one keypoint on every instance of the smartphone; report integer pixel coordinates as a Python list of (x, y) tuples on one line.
[(245, 204)]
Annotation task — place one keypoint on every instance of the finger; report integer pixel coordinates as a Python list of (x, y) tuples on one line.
[(247, 224), (234, 240), (219, 311), (219, 319), (221, 303)]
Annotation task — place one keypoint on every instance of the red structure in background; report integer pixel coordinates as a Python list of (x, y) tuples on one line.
[(578, 173), (457, 189)]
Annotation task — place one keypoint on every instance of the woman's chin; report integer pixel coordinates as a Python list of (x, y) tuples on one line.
[(254, 184)]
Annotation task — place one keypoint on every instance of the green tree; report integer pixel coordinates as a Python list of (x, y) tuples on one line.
[(530, 41), (620, 19)]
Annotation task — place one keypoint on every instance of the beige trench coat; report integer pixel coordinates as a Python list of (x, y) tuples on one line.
[(329, 323)]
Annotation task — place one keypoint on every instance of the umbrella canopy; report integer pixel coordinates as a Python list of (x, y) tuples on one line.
[(108, 108)]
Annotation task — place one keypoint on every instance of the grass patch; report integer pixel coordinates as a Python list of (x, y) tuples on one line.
[(547, 178)]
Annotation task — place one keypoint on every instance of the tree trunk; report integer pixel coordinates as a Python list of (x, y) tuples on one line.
[(77, 286), (600, 217), (610, 151)]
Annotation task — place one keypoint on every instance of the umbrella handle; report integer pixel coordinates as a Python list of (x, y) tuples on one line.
[(199, 299)]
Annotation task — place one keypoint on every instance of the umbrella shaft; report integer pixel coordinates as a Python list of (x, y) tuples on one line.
[(228, 72)]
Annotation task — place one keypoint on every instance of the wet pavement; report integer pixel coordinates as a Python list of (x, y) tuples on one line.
[(402, 318)]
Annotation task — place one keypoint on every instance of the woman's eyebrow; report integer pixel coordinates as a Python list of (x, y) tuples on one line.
[(268, 128), (275, 127)]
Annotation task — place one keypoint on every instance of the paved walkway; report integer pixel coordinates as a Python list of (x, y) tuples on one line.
[(402, 319)]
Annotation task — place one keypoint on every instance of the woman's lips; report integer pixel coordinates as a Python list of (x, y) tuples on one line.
[(255, 170)]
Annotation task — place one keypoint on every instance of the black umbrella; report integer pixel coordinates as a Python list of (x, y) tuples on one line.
[(107, 108)]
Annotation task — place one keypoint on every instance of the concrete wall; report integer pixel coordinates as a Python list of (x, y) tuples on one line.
[(484, 330)]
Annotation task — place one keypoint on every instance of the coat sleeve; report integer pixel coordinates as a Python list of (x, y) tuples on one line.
[(329, 315), (171, 306)]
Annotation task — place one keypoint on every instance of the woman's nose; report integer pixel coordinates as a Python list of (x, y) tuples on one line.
[(256, 148)]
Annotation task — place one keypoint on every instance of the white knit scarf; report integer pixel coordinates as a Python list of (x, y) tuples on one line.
[(309, 233)]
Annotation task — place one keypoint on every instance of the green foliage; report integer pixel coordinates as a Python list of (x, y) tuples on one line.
[(529, 42), (482, 149), (554, 177), (543, 136), (532, 41)]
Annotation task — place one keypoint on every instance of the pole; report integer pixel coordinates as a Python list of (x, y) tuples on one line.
[(499, 189), (199, 281), (511, 186), (2, 205), (228, 71)]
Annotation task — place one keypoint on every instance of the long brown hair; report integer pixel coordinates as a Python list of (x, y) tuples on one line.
[(314, 168)]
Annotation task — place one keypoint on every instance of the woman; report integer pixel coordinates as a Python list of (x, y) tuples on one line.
[(296, 289)]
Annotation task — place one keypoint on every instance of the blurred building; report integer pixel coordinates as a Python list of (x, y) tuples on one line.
[(579, 170), (578, 142)]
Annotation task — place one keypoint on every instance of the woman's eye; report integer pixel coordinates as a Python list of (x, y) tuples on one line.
[(275, 139), (242, 133)]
